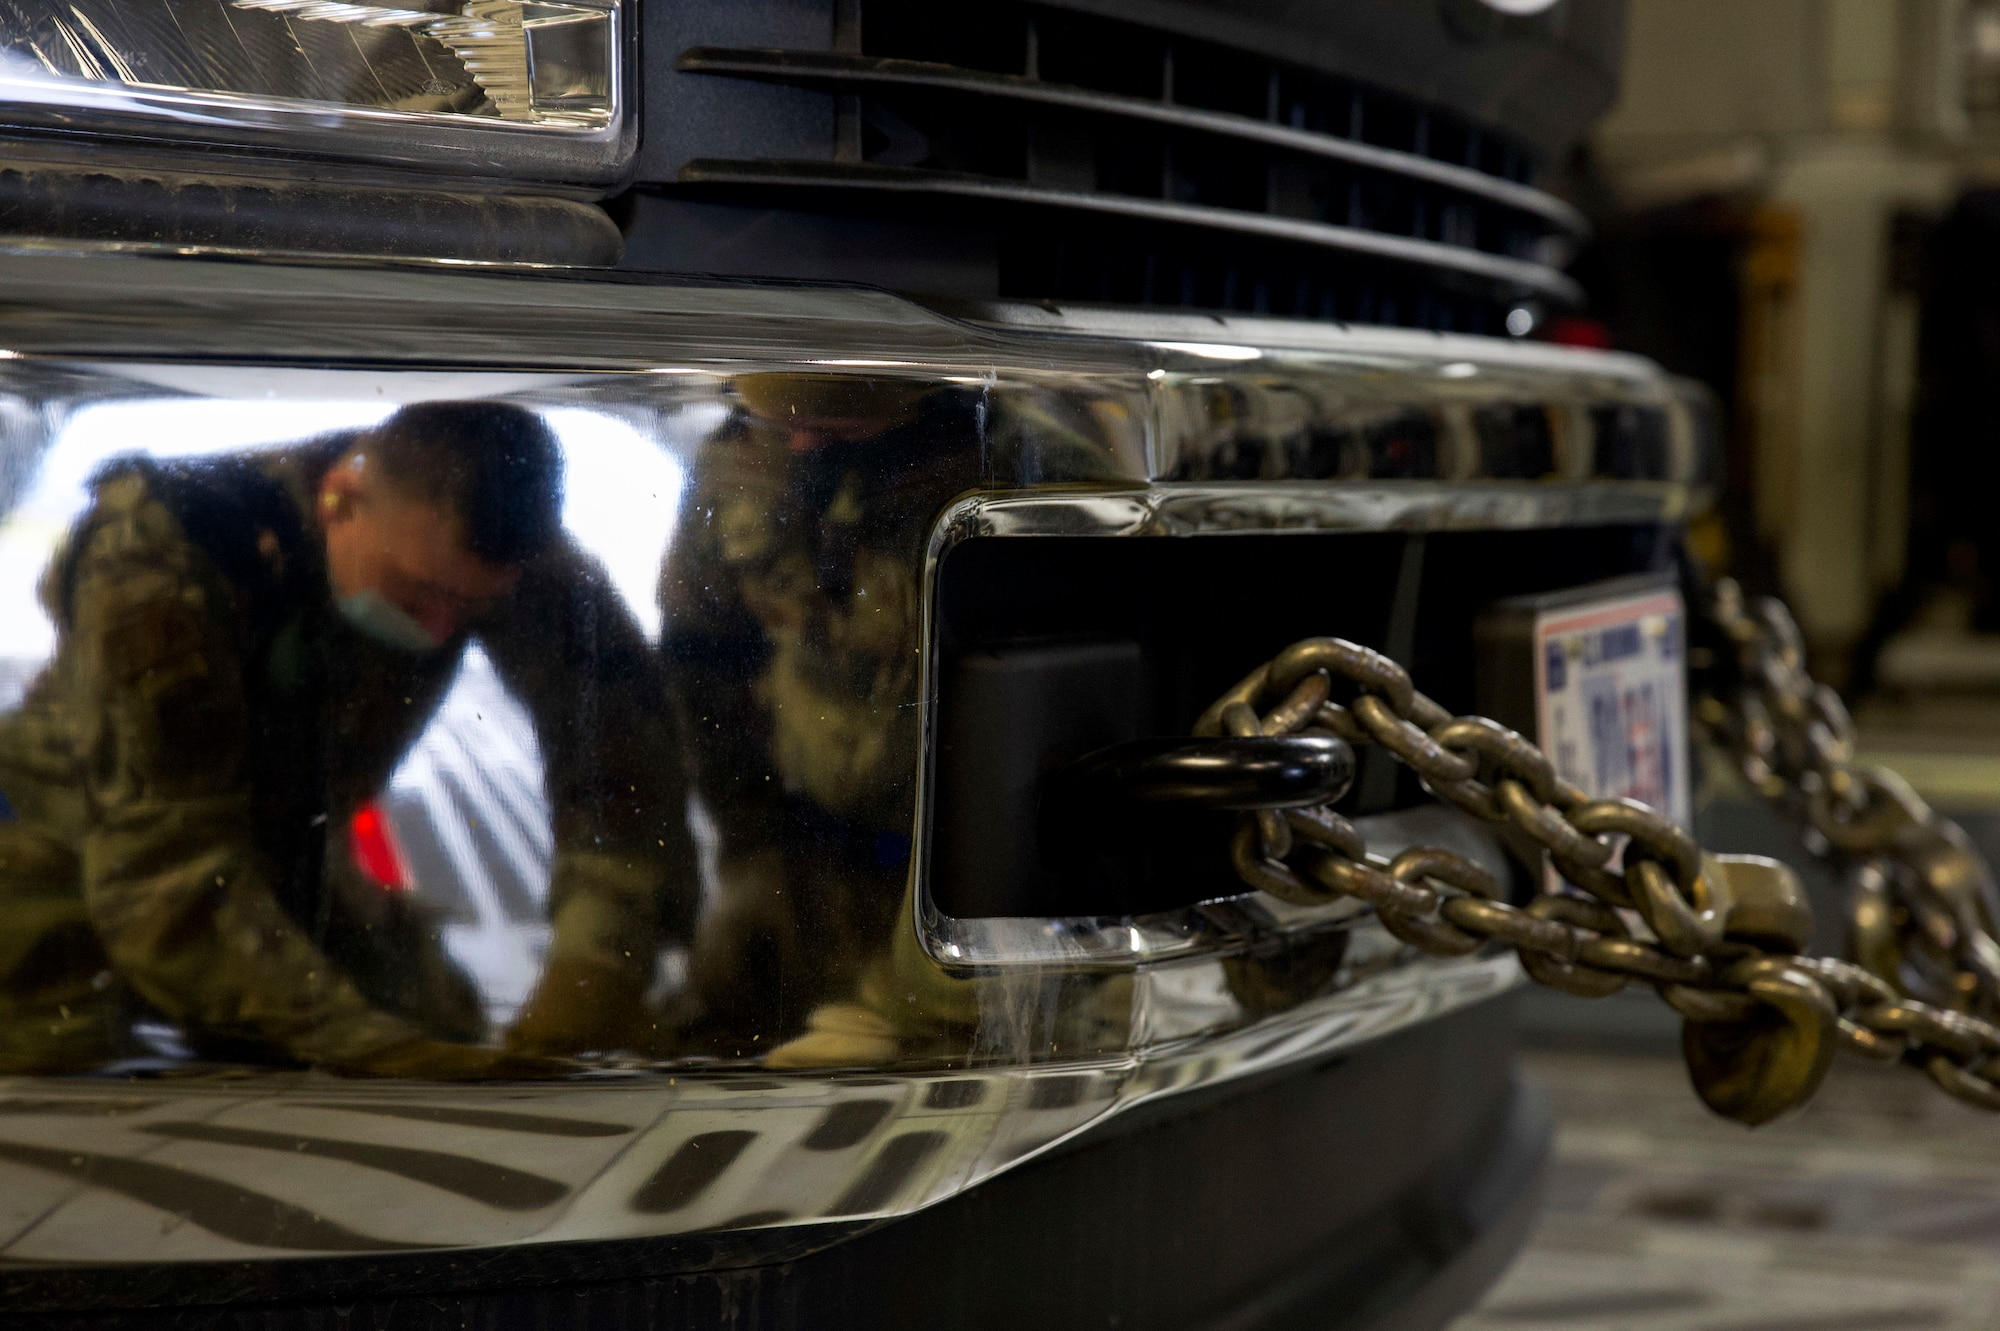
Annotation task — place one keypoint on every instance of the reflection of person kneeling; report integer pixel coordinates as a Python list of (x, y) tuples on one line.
[(246, 648)]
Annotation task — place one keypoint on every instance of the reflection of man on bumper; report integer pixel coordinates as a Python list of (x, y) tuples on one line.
[(791, 640), (247, 646)]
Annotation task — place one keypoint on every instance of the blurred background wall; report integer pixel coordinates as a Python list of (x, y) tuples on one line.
[(1798, 202)]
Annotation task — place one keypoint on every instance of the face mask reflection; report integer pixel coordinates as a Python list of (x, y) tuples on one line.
[(377, 617), (398, 559)]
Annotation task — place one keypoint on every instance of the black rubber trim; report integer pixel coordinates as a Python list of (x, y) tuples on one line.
[(273, 214), (844, 70)]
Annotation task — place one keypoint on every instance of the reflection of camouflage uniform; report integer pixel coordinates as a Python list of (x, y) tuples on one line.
[(793, 629), (208, 717)]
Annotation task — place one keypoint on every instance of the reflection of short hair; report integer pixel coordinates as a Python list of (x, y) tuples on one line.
[(492, 465)]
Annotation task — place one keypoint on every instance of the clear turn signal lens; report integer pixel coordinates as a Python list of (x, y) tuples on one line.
[(531, 65)]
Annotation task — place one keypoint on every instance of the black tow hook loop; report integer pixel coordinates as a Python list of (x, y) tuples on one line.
[(1233, 772)]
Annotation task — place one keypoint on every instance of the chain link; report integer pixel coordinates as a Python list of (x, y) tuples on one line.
[(1719, 937), (1924, 901)]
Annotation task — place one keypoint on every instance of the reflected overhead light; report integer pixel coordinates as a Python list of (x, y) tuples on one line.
[(1458, 369), (397, 387), (469, 801), (621, 497), (1211, 350)]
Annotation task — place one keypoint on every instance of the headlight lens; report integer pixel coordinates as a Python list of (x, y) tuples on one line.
[(544, 66)]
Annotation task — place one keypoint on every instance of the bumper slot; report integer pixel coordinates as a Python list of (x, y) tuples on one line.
[(1051, 648)]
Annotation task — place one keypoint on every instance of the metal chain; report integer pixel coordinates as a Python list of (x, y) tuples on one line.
[(1924, 906), (1718, 937)]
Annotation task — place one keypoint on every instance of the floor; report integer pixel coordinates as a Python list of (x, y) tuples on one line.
[(1875, 1209)]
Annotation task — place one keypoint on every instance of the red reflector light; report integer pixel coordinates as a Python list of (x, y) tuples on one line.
[(1575, 331), (372, 842)]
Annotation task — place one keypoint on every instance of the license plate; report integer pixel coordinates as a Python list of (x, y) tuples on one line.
[(1611, 696)]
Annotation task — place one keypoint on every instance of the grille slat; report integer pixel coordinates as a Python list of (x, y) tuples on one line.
[(1109, 159), (849, 72), (1515, 276)]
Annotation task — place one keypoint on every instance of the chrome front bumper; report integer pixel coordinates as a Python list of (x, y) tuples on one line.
[(997, 1039)]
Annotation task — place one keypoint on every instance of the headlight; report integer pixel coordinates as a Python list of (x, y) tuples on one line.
[(409, 81)]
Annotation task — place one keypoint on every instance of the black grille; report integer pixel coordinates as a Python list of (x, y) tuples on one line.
[(1158, 169)]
